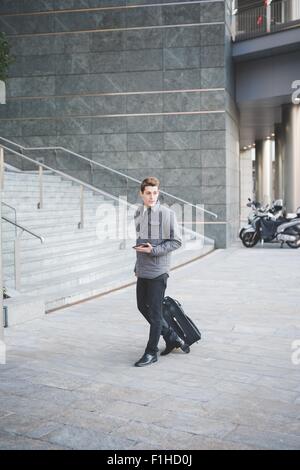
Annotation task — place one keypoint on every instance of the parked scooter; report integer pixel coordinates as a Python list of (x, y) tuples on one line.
[(268, 228), (276, 211)]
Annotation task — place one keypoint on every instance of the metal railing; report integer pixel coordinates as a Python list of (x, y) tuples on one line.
[(10, 212), (97, 165), (82, 185), (270, 17), (17, 247), (24, 229), (4, 204)]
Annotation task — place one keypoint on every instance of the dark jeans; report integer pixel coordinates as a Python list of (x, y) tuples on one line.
[(150, 294)]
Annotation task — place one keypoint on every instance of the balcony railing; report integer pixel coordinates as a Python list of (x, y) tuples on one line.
[(270, 17)]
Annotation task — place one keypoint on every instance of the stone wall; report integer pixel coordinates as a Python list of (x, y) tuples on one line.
[(144, 90), (2, 345)]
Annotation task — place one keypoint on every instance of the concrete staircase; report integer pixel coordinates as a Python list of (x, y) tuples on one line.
[(72, 264)]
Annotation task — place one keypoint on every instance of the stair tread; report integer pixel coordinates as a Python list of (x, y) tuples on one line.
[(92, 288), (69, 276), (77, 269), (92, 249)]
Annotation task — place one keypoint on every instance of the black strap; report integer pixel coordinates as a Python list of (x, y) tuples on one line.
[(149, 222), (160, 225), (171, 225)]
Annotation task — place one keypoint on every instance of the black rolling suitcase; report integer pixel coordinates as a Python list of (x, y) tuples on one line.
[(179, 321)]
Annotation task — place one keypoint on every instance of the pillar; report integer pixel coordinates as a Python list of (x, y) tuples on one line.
[(258, 170), (263, 167), (246, 182), (291, 167), (279, 157), (293, 10)]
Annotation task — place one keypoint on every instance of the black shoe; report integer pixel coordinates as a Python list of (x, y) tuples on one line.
[(179, 343), (146, 360)]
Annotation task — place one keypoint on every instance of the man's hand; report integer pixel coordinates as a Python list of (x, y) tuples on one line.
[(146, 249)]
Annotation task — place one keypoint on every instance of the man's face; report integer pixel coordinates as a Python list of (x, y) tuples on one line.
[(150, 195)]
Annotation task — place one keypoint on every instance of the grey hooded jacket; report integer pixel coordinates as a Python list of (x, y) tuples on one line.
[(158, 226)]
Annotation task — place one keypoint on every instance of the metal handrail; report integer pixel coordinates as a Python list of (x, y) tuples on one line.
[(15, 211), (120, 200), (24, 229), (17, 249), (106, 168), (63, 174), (11, 207)]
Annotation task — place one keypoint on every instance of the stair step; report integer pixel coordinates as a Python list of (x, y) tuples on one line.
[(33, 243), (33, 259), (45, 257), (35, 186), (54, 216), (29, 213), (18, 196), (52, 247), (34, 275), (65, 296), (51, 204), (22, 176), (51, 222), (73, 279), (58, 247)]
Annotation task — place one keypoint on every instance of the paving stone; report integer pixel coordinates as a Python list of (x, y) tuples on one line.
[(29, 426), (151, 434), (127, 394), (92, 420), (197, 425), (83, 439), (263, 440), (205, 443), (12, 442)]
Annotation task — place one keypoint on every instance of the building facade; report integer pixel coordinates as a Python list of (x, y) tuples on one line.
[(159, 87), (145, 87)]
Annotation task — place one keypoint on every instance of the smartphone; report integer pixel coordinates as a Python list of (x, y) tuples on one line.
[(142, 245)]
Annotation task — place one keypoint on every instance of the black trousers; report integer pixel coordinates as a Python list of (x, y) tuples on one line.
[(150, 294)]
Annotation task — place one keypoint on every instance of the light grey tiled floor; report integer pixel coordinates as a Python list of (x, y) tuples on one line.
[(70, 382)]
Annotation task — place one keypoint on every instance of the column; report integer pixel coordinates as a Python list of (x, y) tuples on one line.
[(258, 171), (263, 166), (246, 182), (2, 92), (267, 171), (291, 167), (279, 156), (293, 10)]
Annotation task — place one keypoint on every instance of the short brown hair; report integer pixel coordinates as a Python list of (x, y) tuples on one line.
[(150, 181)]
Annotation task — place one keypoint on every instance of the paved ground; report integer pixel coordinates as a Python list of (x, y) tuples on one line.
[(70, 383)]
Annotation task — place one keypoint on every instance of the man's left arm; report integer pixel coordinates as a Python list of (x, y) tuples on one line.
[(170, 244)]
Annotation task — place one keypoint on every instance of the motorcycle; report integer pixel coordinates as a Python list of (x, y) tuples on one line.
[(276, 210), (265, 227)]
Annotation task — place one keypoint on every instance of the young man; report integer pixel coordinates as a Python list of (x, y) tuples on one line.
[(157, 235)]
